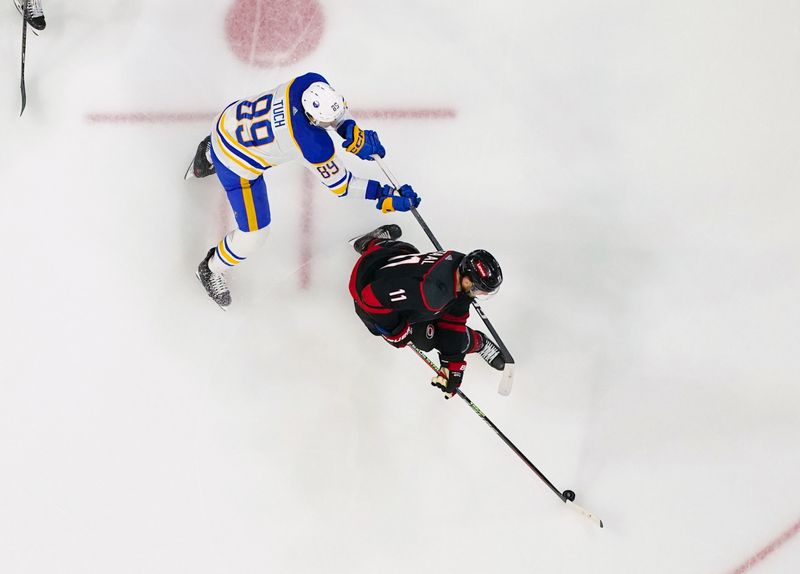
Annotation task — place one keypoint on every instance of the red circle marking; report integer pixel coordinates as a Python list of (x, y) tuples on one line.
[(272, 33)]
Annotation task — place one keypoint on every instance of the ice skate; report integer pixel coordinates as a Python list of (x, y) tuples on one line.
[(201, 166), (491, 354), (32, 10), (390, 231), (214, 283)]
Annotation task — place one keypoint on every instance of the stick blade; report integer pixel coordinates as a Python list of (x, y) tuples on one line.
[(507, 381), (585, 512)]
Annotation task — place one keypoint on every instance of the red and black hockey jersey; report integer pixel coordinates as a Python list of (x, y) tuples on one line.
[(394, 287)]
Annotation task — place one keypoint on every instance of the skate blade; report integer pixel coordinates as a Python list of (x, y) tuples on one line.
[(189, 172), (196, 274)]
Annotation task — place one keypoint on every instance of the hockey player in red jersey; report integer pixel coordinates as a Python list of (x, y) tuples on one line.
[(406, 297)]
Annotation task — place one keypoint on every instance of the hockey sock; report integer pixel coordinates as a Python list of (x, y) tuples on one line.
[(235, 247)]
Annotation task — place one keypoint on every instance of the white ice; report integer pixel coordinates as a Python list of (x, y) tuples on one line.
[(633, 165)]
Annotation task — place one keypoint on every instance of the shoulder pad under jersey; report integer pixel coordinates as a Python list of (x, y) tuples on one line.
[(315, 144), (439, 283)]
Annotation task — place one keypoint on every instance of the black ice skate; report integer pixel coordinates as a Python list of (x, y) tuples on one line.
[(214, 283), (32, 10), (491, 354), (390, 231), (201, 166)]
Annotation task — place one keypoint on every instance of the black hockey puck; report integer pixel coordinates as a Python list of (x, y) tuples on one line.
[(569, 495)]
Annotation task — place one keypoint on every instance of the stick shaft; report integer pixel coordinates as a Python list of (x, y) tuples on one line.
[(491, 425), (393, 180), (22, 68)]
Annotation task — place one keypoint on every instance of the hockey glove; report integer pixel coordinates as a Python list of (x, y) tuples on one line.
[(399, 339), (363, 143), (450, 377), (399, 203), (387, 202), (408, 192)]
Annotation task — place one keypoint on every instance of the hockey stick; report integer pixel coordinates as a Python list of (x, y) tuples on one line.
[(22, 73), (507, 381), (566, 497)]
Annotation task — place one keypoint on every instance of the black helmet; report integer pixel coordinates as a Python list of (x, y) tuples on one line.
[(483, 269)]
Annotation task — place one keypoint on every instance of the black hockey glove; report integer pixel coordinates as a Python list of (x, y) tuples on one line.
[(450, 379), (401, 338)]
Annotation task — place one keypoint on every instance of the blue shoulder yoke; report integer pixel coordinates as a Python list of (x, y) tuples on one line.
[(315, 143)]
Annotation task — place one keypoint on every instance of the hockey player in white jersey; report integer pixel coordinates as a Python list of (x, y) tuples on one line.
[(285, 124)]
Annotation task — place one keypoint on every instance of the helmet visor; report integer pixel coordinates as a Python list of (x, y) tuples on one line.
[(477, 293)]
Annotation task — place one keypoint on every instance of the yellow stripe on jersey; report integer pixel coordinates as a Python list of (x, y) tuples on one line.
[(237, 145), (249, 206), (235, 159), (341, 190)]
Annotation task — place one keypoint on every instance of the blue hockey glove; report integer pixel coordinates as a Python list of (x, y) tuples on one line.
[(363, 143), (377, 191), (403, 202), (408, 191), (387, 202), (395, 203)]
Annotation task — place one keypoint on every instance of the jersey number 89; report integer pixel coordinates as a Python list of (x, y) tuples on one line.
[(260, 132)]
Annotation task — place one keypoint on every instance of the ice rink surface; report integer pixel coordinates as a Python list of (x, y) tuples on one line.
[(633, 166)]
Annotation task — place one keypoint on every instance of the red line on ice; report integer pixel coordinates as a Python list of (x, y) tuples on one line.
[(189, 117), (769, 549), (148, 117), (306, 229), (307, 221)]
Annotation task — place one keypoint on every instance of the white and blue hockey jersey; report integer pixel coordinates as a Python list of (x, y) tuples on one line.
[(270, 129)]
